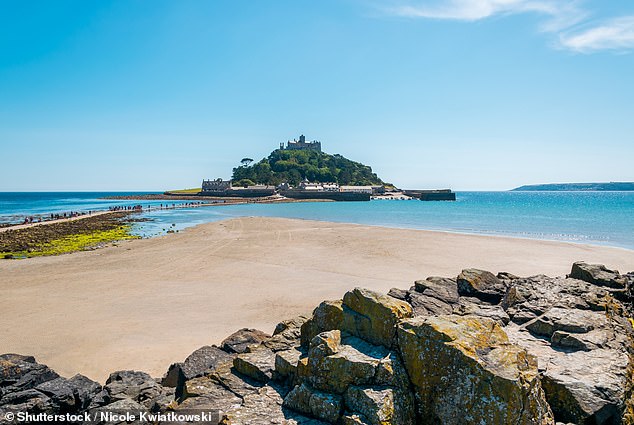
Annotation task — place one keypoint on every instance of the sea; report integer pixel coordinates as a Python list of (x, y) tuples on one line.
[(599, 218)]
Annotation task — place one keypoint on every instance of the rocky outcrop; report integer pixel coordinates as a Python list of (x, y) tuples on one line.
[(482, 377), (581, 337), (476, 349), (372, 316), (356, 377), (29, 387)]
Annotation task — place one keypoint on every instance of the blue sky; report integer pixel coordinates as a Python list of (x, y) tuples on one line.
[(471, 94)]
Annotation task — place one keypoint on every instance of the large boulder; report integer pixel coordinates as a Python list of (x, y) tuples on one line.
[(31, 401), (264, 407), (475, 307), (441, 288), (360, 372), (564, 320), (481, 284), (584, 381), (85, 390), (325, 406), (199, 363), (137, 386), (580, 334), (241, 340), (18, 372), (326, 317), (205, 393), (286, 364), (424, 305), (528, 298), (376, 405), (482, 378), (61, 393), (429, 297), (598, 274), (335, 366), (286, 334), (23, 389), (257, 364), (373, 316)]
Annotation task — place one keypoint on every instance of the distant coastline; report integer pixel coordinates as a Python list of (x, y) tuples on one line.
[(553, 187)]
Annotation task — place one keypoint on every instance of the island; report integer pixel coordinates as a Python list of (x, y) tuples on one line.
[(299, 169)]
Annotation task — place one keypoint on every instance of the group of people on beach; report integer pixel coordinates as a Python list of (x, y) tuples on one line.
[(126, 208), (139, 207), (185, 204), (149, 207), (31, 219), (55, 216)]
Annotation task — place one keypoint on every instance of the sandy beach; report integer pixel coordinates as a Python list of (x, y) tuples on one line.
[(145, 304)]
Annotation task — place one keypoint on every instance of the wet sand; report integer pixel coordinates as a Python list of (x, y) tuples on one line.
[(145, 304)]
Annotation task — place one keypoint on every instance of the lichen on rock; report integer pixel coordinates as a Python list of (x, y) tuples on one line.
[(465, 371)]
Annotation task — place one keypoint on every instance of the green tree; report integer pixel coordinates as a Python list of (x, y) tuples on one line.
[(244, 183), (294, 166)]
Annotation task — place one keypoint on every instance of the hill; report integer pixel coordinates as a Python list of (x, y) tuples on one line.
[(293, 166), (611, 186)]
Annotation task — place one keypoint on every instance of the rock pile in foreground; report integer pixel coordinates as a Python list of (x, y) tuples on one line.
[(477, 349)]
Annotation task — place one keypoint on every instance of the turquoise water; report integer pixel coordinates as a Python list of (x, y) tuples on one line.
[(605, 218), (14, 206)]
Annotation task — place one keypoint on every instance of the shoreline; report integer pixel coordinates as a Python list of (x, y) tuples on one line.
[(147, 303), (242, 201), (6, 226), (460, 220), (93, 213), (382, 225), (484, 234)]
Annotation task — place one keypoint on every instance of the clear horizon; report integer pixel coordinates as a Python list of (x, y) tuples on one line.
[(164, 190), (471, 95)]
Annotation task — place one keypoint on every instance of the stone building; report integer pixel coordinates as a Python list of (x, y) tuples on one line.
[(218, 185), (301, 144)]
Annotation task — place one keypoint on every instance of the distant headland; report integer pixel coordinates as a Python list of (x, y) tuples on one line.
[(553, 187)]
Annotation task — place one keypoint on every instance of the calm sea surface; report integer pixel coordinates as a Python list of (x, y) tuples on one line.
[(605, 218)]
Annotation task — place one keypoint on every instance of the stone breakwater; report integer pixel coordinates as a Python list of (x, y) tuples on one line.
[(476, 349)]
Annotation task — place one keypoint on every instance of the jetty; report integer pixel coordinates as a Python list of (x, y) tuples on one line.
[(432, 195)]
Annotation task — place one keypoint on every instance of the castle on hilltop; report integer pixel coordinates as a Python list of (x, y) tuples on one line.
[(301, 145)]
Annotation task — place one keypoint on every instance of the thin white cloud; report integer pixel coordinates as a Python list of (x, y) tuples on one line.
[(563, 17), (616, 34), (560, 13)]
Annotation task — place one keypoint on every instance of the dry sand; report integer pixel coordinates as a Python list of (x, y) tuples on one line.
[(147, 303)]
